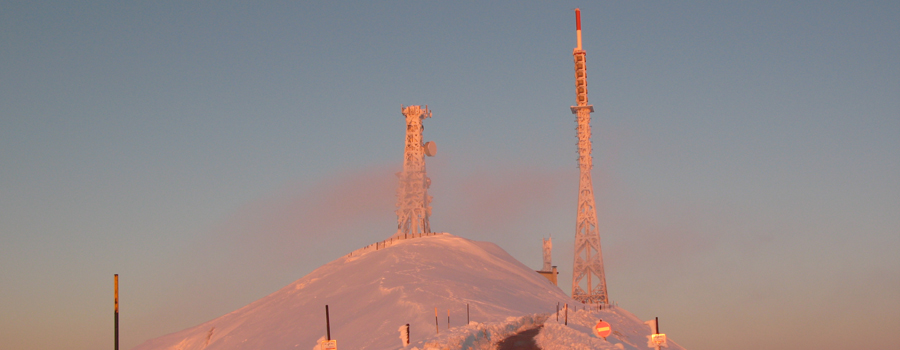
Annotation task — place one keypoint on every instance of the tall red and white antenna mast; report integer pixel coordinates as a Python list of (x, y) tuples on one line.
[(588, 277)]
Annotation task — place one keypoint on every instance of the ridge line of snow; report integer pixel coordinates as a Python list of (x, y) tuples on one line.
[(390, 242)]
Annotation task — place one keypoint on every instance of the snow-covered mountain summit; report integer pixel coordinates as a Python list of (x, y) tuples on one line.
[(371, 294)]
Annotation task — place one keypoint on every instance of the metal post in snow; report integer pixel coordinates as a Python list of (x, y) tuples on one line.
[(657, 330), (327, 323), (467, 313), (116, 278)]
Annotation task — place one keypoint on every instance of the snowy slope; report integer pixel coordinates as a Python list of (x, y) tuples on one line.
[(371, 294)]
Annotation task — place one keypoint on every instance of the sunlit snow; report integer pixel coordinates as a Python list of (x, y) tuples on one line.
[(373, 292)]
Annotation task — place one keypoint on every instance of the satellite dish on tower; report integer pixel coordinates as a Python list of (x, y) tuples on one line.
[(430, 148)]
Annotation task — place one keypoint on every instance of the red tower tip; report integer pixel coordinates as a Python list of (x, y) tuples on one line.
[(577, 19)]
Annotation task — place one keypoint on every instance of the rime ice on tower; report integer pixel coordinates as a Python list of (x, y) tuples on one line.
[(588, 277), (413, 201), (548, 251), (548, 270)]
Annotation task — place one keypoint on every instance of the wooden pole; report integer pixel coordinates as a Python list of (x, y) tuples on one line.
[(467, 313), (436, 330), (116, 279), (567, 314)]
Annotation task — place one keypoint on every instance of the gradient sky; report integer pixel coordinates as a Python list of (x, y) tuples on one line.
[(747, 157)]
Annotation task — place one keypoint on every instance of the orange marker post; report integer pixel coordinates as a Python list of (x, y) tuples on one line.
[(116, 282)]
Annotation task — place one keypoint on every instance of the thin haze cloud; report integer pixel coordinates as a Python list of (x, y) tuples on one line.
[(296, 219), (359, 204), (497, 198)]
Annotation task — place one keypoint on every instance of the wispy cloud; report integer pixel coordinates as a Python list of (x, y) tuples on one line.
[(300, 217)]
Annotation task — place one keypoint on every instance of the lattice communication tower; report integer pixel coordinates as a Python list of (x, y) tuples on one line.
[(413, 201), (588, 277)]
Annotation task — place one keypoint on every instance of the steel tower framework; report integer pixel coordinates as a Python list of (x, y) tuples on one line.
[(413, 201), (588, 277)]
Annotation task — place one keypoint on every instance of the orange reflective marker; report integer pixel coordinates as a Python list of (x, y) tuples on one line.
[(602, 329)]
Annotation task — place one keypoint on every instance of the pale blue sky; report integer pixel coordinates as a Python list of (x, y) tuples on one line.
[(747, 158)]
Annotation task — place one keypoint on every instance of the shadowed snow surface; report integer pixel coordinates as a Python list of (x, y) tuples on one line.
[(372, 294)]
